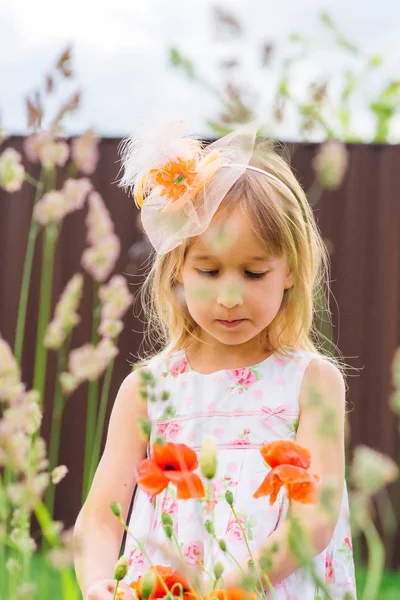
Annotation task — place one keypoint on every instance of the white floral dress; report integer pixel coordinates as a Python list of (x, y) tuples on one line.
[(242, 409)]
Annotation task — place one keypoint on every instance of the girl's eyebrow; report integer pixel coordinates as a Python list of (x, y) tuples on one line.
[(246, 259)]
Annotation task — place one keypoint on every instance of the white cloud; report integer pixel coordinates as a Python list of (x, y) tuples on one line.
[(120, 53)]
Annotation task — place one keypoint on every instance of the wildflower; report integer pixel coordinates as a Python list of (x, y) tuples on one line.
[(54, 205), (208, 458), (99, 260), (173, 463), (115, 298), (153, 583), (231, 594), (87, 363), (109, 328), (58, 474), (24, 413), (285, 452), (330, 164), (63, 557), (98, 221), (75, 192), (289, 463), (42, 147), (12, 172), (371, 470), (50, 209), (10, 376), (85, 153), (66, 317), (54, 154)]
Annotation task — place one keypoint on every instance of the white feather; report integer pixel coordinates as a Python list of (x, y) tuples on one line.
[(152, 148)]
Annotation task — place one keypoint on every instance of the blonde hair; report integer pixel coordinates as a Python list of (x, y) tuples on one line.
[(284, 223)]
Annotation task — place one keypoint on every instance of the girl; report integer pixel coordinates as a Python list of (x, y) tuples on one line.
[(239, 264)]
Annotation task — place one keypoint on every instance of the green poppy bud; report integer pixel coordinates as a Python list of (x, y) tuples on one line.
[(147, 585), (121, 568), (229, 497), (208, 458), (222, 545), (166, 519), (218, 569), (168, 531), (209, 527), (116, 509)]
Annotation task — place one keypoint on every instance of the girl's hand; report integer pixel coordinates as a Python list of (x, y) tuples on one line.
[(104, 590)]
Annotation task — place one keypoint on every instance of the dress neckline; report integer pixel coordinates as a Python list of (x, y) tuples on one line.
[(259, 364)]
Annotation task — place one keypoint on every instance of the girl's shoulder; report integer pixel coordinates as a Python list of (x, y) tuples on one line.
[(165, 364)]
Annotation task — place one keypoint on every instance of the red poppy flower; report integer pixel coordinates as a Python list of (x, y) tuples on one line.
[(173, 463), (289, 463), (164, 577), (286, 452), (231, 594), (300, 484)]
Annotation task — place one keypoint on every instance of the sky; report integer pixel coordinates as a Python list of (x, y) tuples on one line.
[(120, 51)]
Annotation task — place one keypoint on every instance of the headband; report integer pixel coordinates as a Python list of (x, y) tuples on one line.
[(173, 179)]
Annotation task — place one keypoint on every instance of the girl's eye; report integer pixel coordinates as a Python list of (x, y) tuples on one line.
[(253, 275), (211, 273)]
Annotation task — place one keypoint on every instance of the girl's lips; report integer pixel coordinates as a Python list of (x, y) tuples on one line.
[(231, 324)]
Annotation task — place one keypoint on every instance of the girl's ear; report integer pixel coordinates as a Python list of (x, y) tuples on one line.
[(289, 281), (178, 277)]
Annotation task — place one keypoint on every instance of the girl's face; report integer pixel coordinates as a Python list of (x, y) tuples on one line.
[(232, 289)]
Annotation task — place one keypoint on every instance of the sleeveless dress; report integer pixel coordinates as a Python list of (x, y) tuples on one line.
[(242, 409)]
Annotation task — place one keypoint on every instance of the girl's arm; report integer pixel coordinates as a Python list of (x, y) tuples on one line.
[(97, 531), (321, 430)]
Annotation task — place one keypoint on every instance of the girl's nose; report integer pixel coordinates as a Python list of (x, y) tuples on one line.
[(230, 296)]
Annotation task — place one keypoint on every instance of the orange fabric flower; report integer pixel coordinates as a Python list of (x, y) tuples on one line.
[(176, 177), (173, 463), (289, 463), (231, 594), (164, 577)]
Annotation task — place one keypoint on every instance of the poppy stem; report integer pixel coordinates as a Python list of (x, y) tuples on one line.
[(193, 589), (267, 580), (142, 548)]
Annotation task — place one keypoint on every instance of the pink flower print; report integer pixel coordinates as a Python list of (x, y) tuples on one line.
[(229, 481), (193, 552), (241, 442), (136, 560), (179, 367), (348, 543), (234, 532), (246, 431), (218, 432), (243, 377), (161, 429), (280, 362), (172, 430), (190, 438), (329, 573), (170, 505)]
